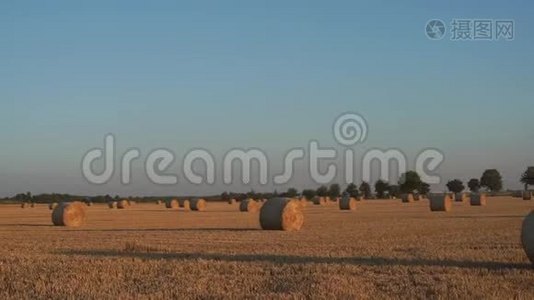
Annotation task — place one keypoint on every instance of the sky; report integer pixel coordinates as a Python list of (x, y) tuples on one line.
[(271, 75)]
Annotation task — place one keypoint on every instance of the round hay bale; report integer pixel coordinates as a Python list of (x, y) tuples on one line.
[(89, 203), (303, 202), (416, 197), (319, 200), (186, 205), (249, 205), (32, 205), (112, 204), (122, 204), (281, 214), (232, 201), (198, 204), (478, 199), (69, 214), (407, 198), (527, 195), (23, 205), (52, 205), (527, 236), (461, 197), (347, 203), (441, 202), (158, 202), (181, 202), (172, 203)]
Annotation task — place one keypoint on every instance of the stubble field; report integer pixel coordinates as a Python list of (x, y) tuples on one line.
[(384, 249)]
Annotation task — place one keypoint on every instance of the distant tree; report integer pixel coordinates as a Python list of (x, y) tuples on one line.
[(352, 190), (252, 194), (117, 197), (474, 185), (455, 186), (381, 187), (492, 180), (424, 189), (322, 191), (275, 193), (527, 178), (409, 182), (309, 194), (292, 193), (225, 196), (334, 191), (394, 190), (365, 189)]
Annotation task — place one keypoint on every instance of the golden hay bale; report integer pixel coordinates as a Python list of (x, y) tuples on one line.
[(407, 198), (112, 204), (158, 202), (52, 205), (186, 205), (122, 204), (249, 205), (416, 197), (89, 203), (32, 205), (69, 214), (360, 198), (231, 201), (319, 200), (172, 203), (527, 195), (527, 236), (181, 202), (441, 202), (281, 214), (461, 197), (303, 202), (23, 205), (478, 199), (347, 203), (198, 204)]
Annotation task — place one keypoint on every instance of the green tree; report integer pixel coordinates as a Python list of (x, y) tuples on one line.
[(225, 196), (424, 189), (394, 190), (455, 186), (292, 193), (322, 191), (474, 185), (381, 187), (365, 189), (409, 182), (334, 190), (352, 190), (309, 194), (492, 180), (527, 178)]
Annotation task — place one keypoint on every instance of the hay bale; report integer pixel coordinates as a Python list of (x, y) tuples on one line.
[(478, 199), (347, 203), (173, 203), (122, 204), (186, 205), (181, 202), (319, 200), (198, 204), (249, 205), (89, 203), (527, 236), (527, 195), (517, 194), (461, 197), (32, 205), (407, 198), (112, 204), (281, 214), (69, 214), (441, 202), (416, 197), (158, 202), (23, 205), (52, 205), (232, 201), (360, 198)]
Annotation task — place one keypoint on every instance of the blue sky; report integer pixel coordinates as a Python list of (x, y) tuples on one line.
[(266, 74)]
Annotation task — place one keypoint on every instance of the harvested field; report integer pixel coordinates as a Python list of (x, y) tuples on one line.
[(382, 250)]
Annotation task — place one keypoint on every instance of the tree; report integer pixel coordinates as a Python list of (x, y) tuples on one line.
[(394, 190), (292, 193), (225, 196), (322, 191), (381, 187), (309, 194), (409, 182), (365, 189), (474, 185), (352, 190), (492, 180), (455, 186), (334, 191), (424, 189), (527, 178)]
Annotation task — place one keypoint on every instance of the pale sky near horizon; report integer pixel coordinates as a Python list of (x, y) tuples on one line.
[(271, 75)]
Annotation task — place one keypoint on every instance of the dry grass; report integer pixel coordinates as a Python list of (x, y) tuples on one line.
[(382, 250)]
